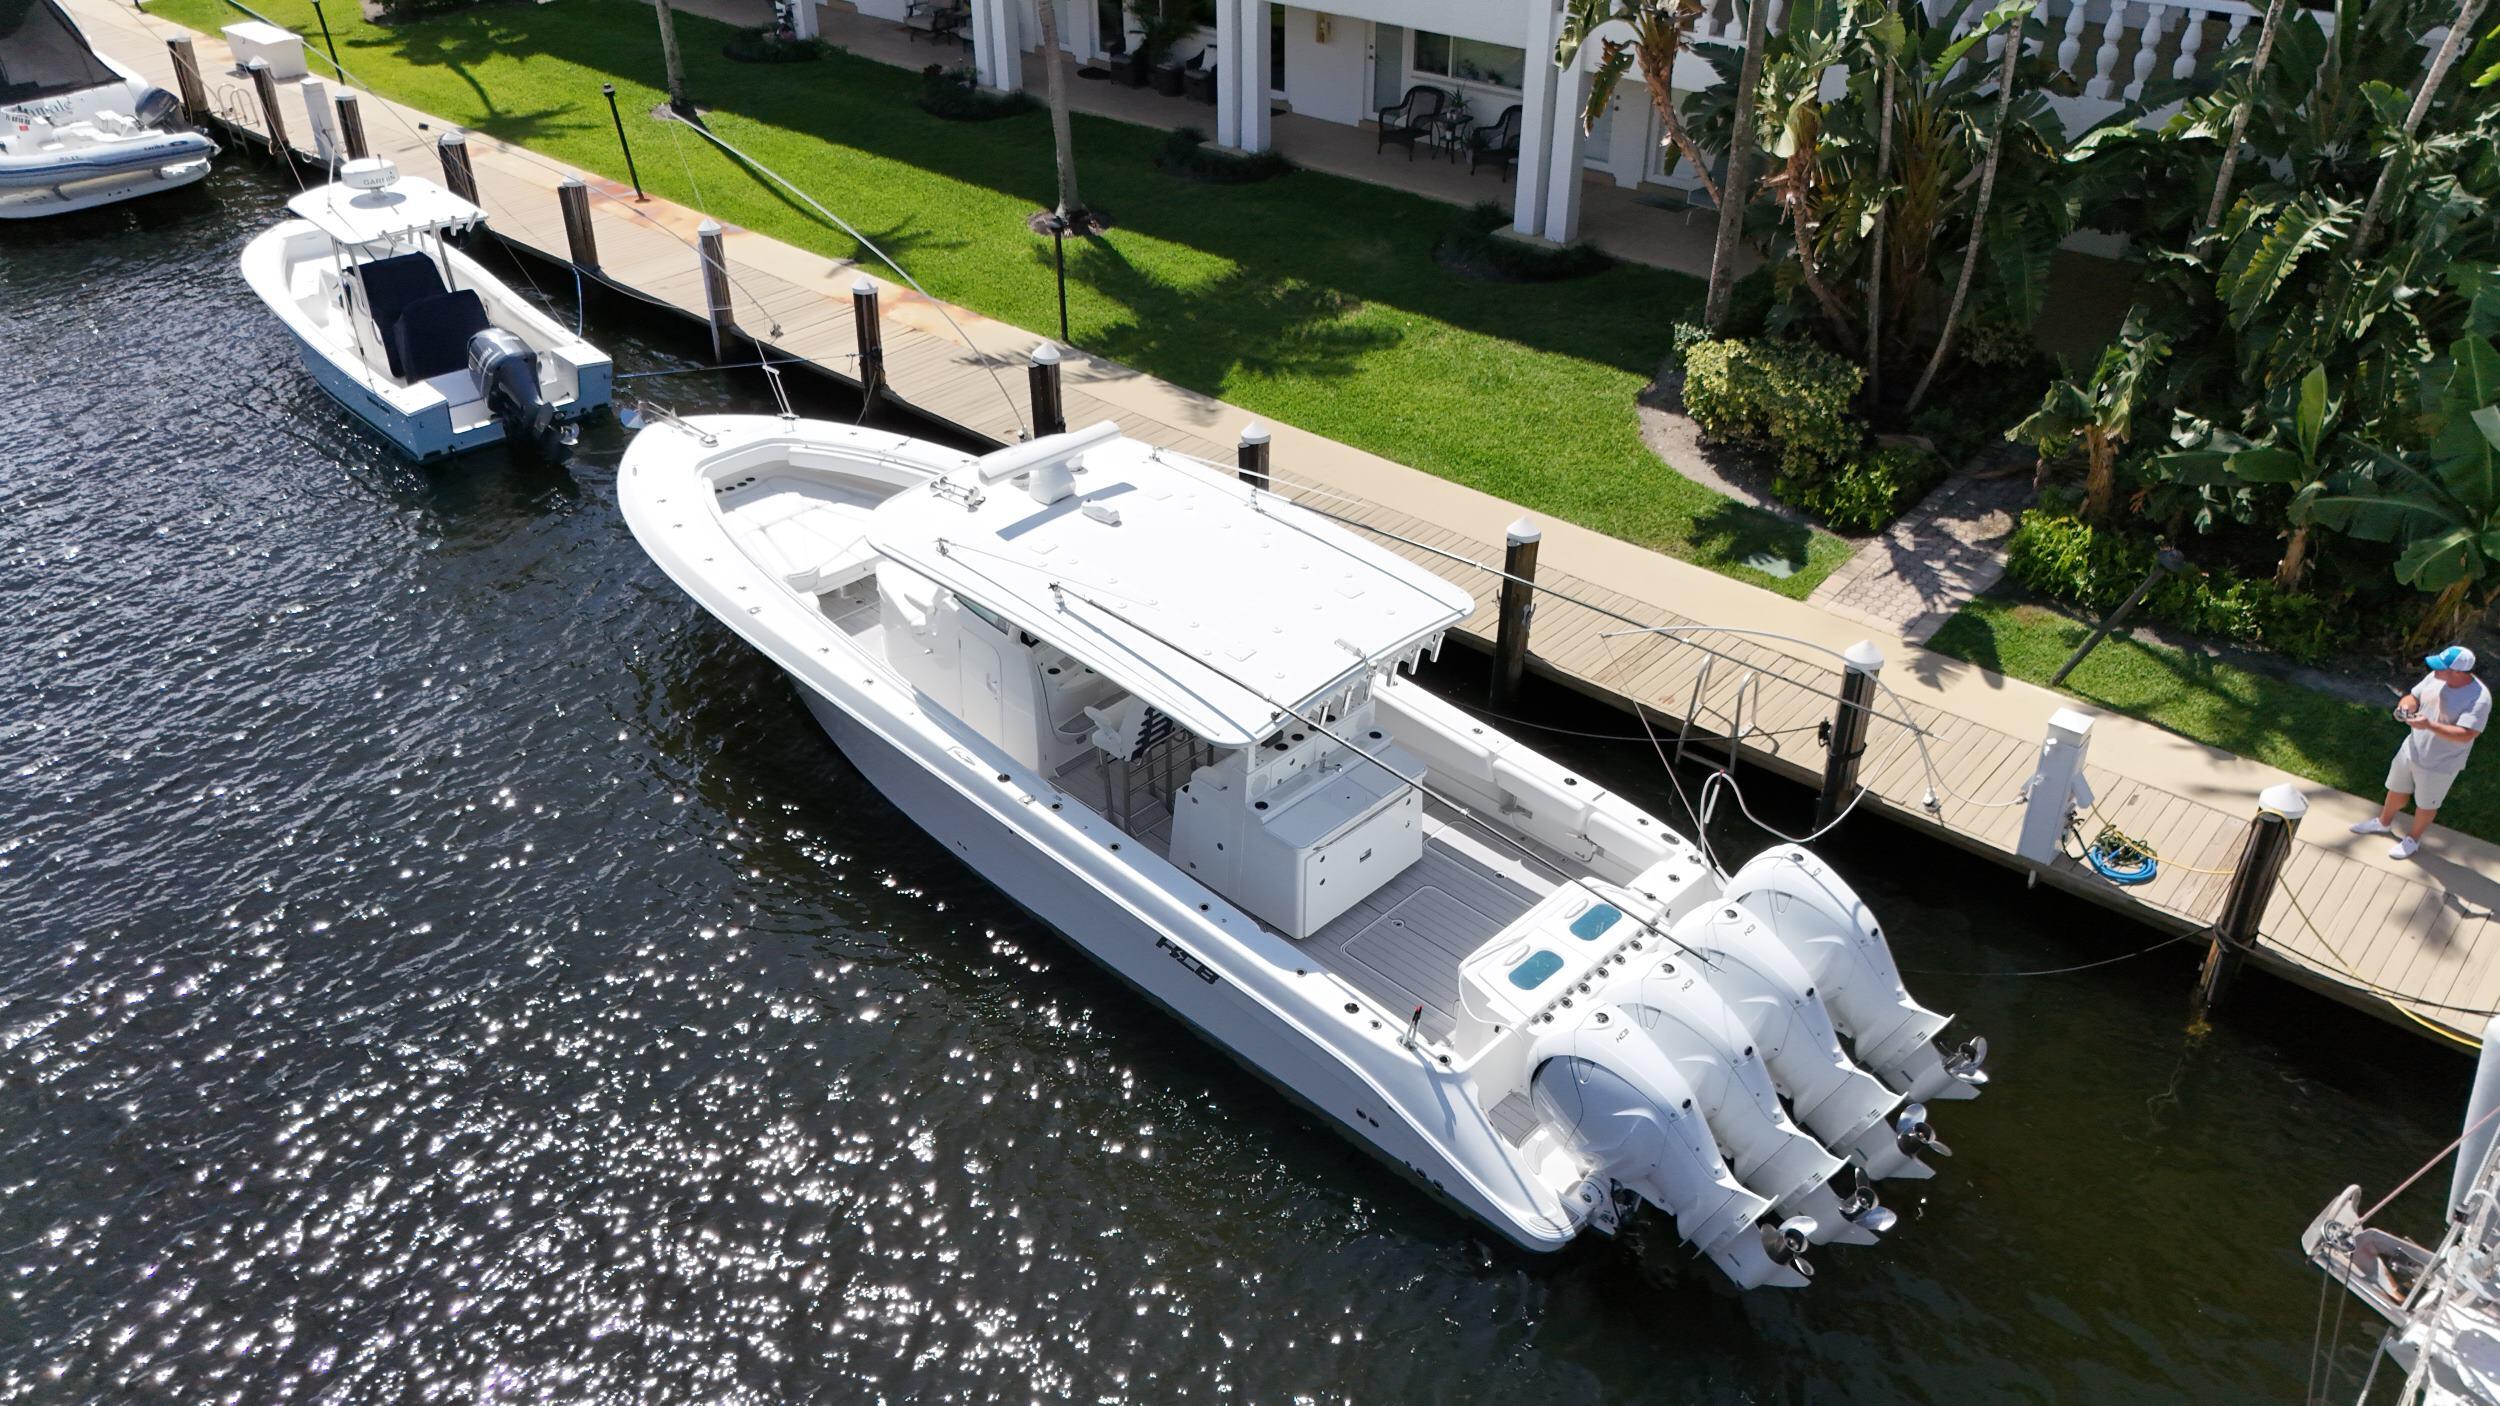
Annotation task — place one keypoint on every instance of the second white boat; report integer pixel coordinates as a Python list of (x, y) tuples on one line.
[(1163, 711)]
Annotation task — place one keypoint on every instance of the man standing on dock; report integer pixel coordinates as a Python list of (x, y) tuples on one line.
[(2447, 711)]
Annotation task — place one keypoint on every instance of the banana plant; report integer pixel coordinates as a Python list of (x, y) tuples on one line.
[(2441, 504), (1789, 110), (2009, 16), (2301, 450), (2097, 414)]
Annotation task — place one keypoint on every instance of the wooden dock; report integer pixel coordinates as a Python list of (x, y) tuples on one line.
[(2411, 942)]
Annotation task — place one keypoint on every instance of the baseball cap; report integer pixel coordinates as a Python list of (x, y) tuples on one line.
[(2455, 656)]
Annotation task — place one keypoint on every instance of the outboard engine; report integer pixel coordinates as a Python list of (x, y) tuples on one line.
[(1834, 938), (156, 108), (506, 372), (1633, 1122), (1847, 1109)]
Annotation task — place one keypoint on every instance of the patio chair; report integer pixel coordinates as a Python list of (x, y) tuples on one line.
[(1498, 143), (1411, 119)]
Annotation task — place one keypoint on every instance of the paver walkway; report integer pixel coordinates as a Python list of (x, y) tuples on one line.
[(1911, 577), (2411, 941)]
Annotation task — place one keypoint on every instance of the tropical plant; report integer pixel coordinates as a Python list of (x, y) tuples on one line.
[(1659, 29), (2442, 504), (1738, 189), (2097, 414), (2009, 15), (2300, 451)]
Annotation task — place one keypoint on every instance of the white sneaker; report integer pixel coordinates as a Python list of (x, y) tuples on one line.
[(2371, 826), (2403, 848)]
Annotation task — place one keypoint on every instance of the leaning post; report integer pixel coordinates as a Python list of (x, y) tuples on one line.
[(1251, 455), (579, 239), (716, 287), (352, 126), (1510, 635), (267, 87), (187, 82), (1863, 661), (2270, 836), (1050, 412), (459, 177), (870, 334)]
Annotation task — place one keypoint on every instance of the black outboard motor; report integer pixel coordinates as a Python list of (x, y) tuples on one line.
[(507, 371)]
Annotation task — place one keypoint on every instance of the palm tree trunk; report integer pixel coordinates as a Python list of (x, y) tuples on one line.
[(1658, 72), (1875, 265), (1979, 216), (2100, 475), (1062, 137), (1739, 183), (2447, 55), (675, 67), (2239, 119)]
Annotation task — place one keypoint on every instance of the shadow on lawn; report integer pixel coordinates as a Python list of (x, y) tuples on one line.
[(1742, 533), (1279, 326), (456, 48)]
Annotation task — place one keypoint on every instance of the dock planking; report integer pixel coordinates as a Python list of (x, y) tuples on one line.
[(2407, 947)]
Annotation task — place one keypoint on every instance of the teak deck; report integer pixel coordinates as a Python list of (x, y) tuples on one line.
[(2369, 931)]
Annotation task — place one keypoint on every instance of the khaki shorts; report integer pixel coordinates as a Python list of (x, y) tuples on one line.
[(2428, 788)]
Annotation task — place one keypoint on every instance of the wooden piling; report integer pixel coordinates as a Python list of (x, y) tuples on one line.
[(187, 82), (1251, 455), (871, 338), (1848, 731), (352, 127), (1510, 638), (579, 239), (1050, 415), (272, 119), (716, 288), (2279, 809), (458, 176)]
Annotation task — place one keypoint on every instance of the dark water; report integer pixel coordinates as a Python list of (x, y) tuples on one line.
[(437, 963)]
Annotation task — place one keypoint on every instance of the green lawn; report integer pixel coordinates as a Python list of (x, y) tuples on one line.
[(1311, 299), (2305, 732)]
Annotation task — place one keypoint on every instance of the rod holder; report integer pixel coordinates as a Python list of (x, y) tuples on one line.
[(1848, 730), (1518, 608), (579, 239), (459, 177), (870, 333), (272, 119), (1050, 412), (716, 287), (2253, 879), (351, 126), (1252, 457), (187, 82)]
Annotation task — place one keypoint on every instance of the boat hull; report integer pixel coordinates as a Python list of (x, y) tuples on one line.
[(88, 177)]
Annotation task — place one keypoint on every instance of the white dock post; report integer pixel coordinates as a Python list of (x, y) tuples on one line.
[(2057, 788), (716, 309), (325, 132)]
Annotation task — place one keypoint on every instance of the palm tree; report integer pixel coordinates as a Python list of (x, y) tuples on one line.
[(1738, 188), (675, 67), (2239, 117), (2446, 56), (1071, 209), (1658, 31), (2011, 15), (1885, 37), (1819, 35)]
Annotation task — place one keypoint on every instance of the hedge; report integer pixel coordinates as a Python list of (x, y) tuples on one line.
[(2065, 558), (1868, 492), (952, 94), (1475, 246), (1790, 398), (1186, 154)]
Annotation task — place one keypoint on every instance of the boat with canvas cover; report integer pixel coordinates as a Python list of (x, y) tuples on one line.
[(412, 334), (78, 130), (1166, 712)]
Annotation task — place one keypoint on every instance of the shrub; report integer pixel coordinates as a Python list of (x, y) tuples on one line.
[(1185, 154), (1865, 493), (1476, 246), (1791, 398), (955, 95), (1681, 339), (2067, 559), (771, 45)]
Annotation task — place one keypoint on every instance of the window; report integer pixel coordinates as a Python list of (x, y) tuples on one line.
[(1470, 60), (1111, 21), (1276, 48)]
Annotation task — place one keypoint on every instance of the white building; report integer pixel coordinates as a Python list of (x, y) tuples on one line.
[(1346, 62)]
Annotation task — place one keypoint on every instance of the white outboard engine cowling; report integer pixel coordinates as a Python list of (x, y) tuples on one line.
[(506, 372), (1833, 935)]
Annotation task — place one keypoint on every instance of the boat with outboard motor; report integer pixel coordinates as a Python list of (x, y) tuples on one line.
[(78, 130), (412, 334), (1162, 710)]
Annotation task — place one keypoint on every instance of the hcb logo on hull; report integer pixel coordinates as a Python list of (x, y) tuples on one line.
[(1196, 968)]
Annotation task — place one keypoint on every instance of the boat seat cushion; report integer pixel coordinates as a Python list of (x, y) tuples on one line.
[(392, 284), (432, 335)]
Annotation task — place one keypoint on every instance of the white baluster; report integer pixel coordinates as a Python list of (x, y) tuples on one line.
[(2239, 21), (2104, 82), (2070, 48), (2191, 39), (1779, 16), (2148, 46)]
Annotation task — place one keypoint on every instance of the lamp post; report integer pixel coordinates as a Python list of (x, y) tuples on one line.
[(327, 42), (613, 115), (2165, 561)]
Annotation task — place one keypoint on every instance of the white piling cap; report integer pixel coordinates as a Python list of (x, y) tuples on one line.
[(1864, 657), (1522, 532), (1045, 355), (1254, 433), (454, 137), (709, 229), (2284, 799), (863, 287)]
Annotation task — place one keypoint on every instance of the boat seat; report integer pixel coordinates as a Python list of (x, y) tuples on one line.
[(431, 336), (853, 564), (392, 284)]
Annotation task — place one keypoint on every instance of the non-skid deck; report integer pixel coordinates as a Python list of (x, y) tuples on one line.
[(2412, 942)]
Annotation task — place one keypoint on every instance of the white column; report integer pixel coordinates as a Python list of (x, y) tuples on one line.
[(1255, 42), (1536, 121), (1228, 73), (996, 56), (803, 19), (1562, 175)]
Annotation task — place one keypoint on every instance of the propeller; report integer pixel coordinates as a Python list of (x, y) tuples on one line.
[(1964, 1063), (1917, 1134), (1786, 1243)]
